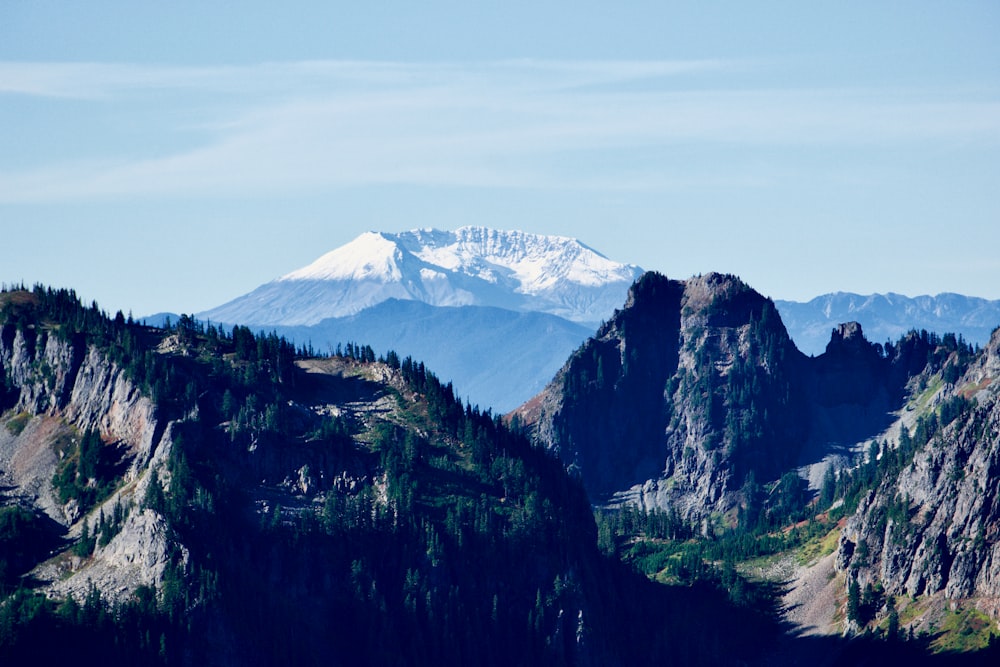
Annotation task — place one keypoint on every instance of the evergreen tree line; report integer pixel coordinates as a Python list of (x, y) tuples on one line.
[(463, 544)]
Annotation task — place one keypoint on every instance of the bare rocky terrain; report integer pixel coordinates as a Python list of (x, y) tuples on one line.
[(815, 594)]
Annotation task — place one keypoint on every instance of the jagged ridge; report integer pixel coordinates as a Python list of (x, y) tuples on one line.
[(695, 389)]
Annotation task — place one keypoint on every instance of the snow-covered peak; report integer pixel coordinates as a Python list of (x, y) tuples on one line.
[(468, 266), (532, 262), (371, 256)]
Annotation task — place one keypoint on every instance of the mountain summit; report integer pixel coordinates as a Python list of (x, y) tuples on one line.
[(695, 387), (468, 266)]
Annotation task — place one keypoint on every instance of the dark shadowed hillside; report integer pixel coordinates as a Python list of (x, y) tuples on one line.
[(695, 388), (198, 496), (864, 479), (193, 495)]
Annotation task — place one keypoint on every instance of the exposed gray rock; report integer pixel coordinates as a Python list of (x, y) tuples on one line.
[(950, 542), (695, 388), (86, 390), (136, 556), (27, 463), (63, 389)]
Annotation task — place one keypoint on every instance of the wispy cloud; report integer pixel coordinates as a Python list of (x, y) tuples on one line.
[(299, 127), (102, 80)]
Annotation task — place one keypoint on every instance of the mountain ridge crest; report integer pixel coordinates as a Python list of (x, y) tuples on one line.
[(468, 266)]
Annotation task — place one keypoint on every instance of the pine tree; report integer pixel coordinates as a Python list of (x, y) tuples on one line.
[(892, 632), (829, 487), (85, 546), (153, 499), (854, 602)]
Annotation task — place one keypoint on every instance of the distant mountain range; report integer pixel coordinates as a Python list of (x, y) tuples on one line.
[(498, 312), (888, 317)]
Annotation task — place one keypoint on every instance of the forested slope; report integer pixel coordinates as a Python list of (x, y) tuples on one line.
[(201, 496)]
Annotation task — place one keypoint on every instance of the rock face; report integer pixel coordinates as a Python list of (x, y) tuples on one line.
[(80, 385), (136, 556), (607, 392), (642, 409), (934, 527), (60, 389), (694, 389)]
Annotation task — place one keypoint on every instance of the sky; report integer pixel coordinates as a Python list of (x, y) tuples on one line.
[(173, 156)]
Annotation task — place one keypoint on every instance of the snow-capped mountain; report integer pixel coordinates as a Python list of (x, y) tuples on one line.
[(469, 266)]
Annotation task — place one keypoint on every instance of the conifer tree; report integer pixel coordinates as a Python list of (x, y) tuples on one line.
[(854, 602)]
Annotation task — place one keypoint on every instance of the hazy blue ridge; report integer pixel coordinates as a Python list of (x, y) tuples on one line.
[(159, 320), (495, 357), (888, 316)]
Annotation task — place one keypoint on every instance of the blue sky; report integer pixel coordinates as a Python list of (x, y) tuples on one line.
[(172, 156)]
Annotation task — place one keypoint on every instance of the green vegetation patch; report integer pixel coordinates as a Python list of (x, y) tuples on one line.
[(18, 422), (962, 630), (86, 471), (922, 400), (819, 546), (910, 609)]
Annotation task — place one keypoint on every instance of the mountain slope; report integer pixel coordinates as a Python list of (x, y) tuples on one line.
[(469, 266), (694, 392), (888, 317), (931, 524), (189, 497), (692, 402)]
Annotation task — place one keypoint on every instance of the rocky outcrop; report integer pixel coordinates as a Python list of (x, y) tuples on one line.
[(77, 383), (137, 556), (643, 409), (611, 391), (59, 389), (732, 401), (694, 389), (935, 526)]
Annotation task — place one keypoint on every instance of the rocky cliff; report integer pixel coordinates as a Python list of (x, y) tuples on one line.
[(57, 389), (932, 524), (694, 390)]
